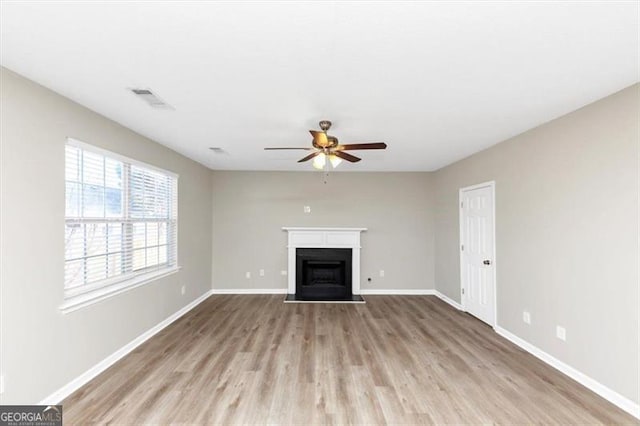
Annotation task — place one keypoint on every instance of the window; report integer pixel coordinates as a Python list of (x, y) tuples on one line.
[(121, 223)]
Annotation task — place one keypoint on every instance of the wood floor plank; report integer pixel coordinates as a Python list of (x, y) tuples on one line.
[(251, 359)]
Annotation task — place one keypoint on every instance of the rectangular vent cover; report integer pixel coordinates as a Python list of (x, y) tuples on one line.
[(151, 98)]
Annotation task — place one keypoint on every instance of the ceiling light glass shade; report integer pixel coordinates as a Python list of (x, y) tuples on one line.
[(319, 161), (335, 160)]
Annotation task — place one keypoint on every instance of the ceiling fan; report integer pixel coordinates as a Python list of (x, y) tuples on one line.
[(326, 146)]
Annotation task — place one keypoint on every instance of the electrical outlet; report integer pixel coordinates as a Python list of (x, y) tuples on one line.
[(382, 272), (526, 317), (283, 272), (307, 209), (183, 290), (561, 333), (262, 272), (248, 275)]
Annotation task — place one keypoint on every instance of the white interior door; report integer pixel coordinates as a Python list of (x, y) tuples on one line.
[(477, 251)]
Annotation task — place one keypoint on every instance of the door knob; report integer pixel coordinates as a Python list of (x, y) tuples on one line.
[(487, 262)]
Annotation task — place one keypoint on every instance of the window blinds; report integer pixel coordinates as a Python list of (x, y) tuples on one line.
[(121, 218)]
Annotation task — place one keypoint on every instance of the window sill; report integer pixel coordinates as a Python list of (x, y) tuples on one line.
[(73, 303)]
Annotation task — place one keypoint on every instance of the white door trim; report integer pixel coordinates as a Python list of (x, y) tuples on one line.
[(490, 184)]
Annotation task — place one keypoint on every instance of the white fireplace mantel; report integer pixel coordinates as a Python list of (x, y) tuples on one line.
[(324, 238)]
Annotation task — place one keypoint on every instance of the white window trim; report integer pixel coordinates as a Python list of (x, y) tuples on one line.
[(78, 298), (88, 298)]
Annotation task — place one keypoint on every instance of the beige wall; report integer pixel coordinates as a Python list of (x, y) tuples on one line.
[(250, 208), (567, 236), (42, 349)]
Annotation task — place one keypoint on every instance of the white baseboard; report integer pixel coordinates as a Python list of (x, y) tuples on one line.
[(597, 387), (393, 292), (249, 291), (448, 300), (363, 292), (84, 378), (412, 292)]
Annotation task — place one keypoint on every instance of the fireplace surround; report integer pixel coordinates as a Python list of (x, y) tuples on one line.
[(324, 267)]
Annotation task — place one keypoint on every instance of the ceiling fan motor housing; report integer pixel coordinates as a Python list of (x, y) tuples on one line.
[(324, 144)]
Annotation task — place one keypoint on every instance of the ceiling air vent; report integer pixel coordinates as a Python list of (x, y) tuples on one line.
[(151, 98)]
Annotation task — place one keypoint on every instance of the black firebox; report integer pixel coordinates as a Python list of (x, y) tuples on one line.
[(323, 274)]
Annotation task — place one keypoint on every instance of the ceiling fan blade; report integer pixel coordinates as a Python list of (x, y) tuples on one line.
[(320, 138), (346, 156), (309, 157), (273, 149), (354, 146)]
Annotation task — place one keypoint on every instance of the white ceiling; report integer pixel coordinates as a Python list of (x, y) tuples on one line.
[(436, 81)]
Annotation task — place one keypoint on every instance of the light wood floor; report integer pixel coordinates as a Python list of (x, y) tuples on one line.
[(396, 359)]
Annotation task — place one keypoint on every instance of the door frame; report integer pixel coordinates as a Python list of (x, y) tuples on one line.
[(492, 185)]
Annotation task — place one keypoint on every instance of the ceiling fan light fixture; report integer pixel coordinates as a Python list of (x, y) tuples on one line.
[(335, 160), (319, 161)]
